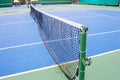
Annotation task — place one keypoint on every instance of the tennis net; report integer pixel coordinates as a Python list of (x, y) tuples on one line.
[(62, 39)]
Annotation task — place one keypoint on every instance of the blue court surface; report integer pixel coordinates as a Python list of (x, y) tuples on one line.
[(21, 48)]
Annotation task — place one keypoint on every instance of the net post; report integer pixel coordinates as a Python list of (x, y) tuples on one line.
[(82, 53)]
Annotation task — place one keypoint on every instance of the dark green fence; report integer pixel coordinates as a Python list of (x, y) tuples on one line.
[(55, 1), (5, 3), (100, 2)]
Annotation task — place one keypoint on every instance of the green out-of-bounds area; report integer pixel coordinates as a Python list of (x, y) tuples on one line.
[(105, 66)]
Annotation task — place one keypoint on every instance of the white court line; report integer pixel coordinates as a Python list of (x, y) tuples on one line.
[(36, 43), (82, 17), (102, 33), (13, 10), (17, 46), (31, 44), (96, 15), (103, 15), (44, 68), (110, 52), (16, 22), (30, 71)]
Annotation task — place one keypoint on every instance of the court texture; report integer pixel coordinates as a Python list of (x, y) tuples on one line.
[(23, 55)]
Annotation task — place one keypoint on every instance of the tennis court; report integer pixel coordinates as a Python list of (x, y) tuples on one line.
[(23, 56)]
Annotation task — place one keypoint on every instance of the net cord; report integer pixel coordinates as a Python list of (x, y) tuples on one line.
[(77, 25)]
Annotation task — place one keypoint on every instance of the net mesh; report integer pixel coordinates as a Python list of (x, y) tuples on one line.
[(62, 39)]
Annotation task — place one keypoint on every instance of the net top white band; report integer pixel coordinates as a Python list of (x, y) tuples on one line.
[(77, 25)]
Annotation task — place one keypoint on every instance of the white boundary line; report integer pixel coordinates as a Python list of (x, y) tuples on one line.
[(16, 22), (30, 71), (30, 44), (110, 52), (26, 72), (13, 10), (36, 43), (83, 16), (103, 15), (96, 34), (96, 15)]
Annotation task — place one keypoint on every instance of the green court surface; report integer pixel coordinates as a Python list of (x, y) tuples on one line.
[(103, 67)]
